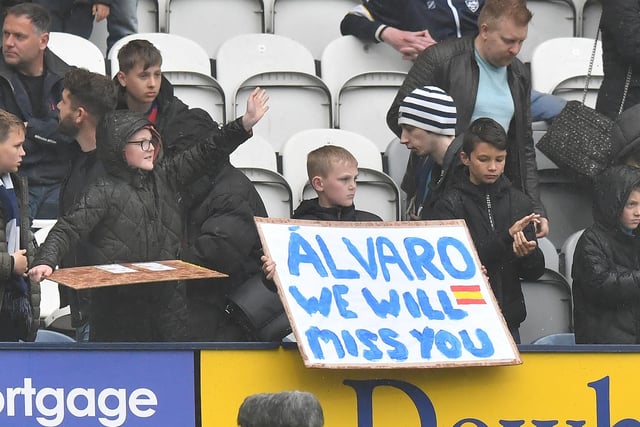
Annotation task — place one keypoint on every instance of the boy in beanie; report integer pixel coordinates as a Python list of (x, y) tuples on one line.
[(427, 117), (498, 216), (19, 299)]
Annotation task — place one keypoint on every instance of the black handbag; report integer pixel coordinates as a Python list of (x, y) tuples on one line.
[(258, 310), (579, 138)]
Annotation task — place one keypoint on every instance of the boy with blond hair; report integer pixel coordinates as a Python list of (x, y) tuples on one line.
[(332, 172)]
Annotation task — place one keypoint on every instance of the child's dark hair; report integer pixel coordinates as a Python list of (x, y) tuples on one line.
[(484, 130), (9, 121), (138, 51), (96, 93)]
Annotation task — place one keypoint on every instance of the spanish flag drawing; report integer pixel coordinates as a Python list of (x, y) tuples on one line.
[(467, 295)]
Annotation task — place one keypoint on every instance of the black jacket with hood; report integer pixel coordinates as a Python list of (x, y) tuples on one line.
[(131, 215), (489, 211), (606, 267)]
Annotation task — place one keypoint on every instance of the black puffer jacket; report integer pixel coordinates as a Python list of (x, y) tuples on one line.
[(132, 215), (26, 242), (606, 267), (310, 209), (222, 235), (490, 210), (620, 50), (451, 66)]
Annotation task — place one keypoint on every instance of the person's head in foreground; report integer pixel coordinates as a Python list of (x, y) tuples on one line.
[(332, 172), (285, 409), (484, 151)]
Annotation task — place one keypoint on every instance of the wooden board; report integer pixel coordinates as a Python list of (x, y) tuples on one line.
[(96, 276)]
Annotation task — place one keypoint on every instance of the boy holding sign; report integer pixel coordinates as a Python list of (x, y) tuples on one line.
[(332, 172), (498, 216)]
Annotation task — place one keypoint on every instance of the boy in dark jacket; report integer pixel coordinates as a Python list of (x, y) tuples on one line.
[(606, 263), (498, 216), (132, 215), (19, 299), (332, 172)]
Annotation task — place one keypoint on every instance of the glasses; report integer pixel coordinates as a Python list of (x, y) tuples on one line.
[(145, 144)]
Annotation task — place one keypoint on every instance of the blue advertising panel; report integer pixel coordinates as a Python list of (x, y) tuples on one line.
[(97, 388)]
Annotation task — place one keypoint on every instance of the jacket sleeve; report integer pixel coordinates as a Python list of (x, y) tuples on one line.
[(622, 20), (206, 154), (74, 226), (530, 178), (602, 281), (226, 238), (361, 24)]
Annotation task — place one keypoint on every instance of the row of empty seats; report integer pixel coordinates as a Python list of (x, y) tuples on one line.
[(315, 23)]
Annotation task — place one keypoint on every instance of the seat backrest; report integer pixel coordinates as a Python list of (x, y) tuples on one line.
[(211, 22), (199, 90), (551, 19), (78, 51), (566, 338), (549, 307), (291, 18), (588, 17), (567, 202), (363, 79), (560, 66), (45, 335), (297, 101), (256, 152), (178, 53), (551, 257), (566, 255), (347, 57), (295, 150), (247, 55), (274, 191)]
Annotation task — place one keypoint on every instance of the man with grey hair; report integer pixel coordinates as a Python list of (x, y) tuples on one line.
[(30, 87), (285, 409)]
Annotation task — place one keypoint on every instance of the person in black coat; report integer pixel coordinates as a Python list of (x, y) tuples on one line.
[(498, 216), (221, 235), (620, 27), (132, 215), (606, 263)]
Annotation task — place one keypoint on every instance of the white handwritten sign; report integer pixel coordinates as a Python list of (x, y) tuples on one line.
[(386, 295)]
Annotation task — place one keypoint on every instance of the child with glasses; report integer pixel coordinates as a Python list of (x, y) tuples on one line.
[(132, 215)]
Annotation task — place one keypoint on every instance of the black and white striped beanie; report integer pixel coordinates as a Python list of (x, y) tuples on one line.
[(429, 108)]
